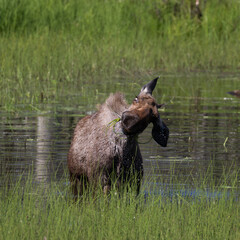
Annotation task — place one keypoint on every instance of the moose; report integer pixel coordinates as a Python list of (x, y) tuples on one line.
[(105, 143)]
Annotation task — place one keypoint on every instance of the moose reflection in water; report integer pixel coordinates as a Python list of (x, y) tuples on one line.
[(105, 143)]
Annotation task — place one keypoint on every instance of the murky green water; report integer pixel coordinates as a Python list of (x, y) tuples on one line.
[(204, 124)]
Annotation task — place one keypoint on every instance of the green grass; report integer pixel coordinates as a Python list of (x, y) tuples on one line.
[(53, 48), (48, 212)]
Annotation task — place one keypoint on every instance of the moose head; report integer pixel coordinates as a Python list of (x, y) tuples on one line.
[(142, 111)]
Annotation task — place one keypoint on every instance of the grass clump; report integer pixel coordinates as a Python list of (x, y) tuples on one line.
[(29, 212)]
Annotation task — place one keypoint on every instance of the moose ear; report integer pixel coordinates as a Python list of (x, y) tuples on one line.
[(149, 87), (160, 132)]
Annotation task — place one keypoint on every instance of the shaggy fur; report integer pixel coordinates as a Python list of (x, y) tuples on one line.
[(100, 150)]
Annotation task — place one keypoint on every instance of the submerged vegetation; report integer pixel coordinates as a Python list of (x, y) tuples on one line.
[(28, 211), (48, 48)]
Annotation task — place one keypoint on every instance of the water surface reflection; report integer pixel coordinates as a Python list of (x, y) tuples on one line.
[(203, 132)]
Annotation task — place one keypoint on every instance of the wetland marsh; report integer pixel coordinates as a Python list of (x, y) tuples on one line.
[(59, 59)]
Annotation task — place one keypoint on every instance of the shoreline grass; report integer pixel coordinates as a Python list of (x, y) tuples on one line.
[(49, 46), (48, 212)]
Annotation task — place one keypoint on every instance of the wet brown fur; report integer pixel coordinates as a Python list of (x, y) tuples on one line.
[(99, 151)]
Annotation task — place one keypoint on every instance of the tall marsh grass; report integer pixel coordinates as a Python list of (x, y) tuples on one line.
[(48, 47), (28, 211)]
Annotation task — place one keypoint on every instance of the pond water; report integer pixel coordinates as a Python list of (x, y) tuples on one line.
[(204, 124)]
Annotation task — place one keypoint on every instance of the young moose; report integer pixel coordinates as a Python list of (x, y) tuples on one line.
[(101, 149)]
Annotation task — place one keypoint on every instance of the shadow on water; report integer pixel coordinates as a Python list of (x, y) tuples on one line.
[(204, 130)]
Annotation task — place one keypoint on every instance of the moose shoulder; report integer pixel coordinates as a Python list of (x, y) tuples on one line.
[(103, 147)]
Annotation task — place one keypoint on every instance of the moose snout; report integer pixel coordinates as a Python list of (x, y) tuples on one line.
[(132, 123), (129, 120)]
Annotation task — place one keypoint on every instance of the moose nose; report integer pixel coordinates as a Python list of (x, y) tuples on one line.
[(129, 121), (127, 117)]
